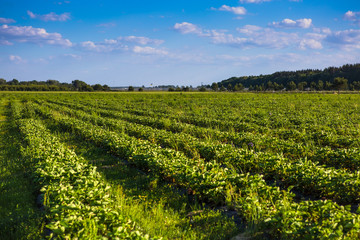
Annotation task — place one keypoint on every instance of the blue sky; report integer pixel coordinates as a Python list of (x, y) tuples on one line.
[(121, 43)]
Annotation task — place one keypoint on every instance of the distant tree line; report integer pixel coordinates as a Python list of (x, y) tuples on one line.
[(50, 85), (180, 89), (346, 77)]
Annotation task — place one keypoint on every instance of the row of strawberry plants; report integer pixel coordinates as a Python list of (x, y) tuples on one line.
[(268, 207), (343, 158), (319, 134), (310, 178), (261, 142), (76, 198)]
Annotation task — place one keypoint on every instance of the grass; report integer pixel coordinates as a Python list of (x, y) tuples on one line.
[(158, 207), (20, 217)]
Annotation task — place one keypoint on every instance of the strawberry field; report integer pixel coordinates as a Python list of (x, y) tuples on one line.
[(180, 166)]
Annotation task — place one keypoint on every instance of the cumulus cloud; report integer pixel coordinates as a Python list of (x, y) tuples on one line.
[(16, 59), (288, 23), (149, 51), (141, 40), (123, 44), (251, 36), (5, 42), (50, 16), (310, 43), (235, 10), (347, 39), (106, 46), (267, 37), (353, 17), (7, 20), (186, 28), (31, 35)]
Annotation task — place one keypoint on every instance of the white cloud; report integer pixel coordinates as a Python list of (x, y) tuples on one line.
[(100, 47), (149, 51), (267, 37), (350, 15), (16, 59), (32, 35), (254, 1), (7, 20), (288, 23), (141, 40), (310, 43), (50, 16), (5, 42), (73, 56), (353, 17), (122, 44), (322, 30), (254, 36), (235, 10), (186, 28), (347, 39)]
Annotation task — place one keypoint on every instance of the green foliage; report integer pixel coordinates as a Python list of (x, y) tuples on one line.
[(214, 86), (76, 198), (286, 163), (313, 78)]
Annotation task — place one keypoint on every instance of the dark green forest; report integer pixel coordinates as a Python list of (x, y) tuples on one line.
[(346, 77)]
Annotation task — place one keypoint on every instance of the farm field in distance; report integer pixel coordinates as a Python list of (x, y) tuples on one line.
[(179, 165)]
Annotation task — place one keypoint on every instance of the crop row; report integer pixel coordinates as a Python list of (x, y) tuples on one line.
[(76, 198), (340, 158), (263, 206), (303, 175), (295, 129)]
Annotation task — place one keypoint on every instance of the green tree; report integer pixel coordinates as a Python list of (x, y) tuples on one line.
[(269, 86), (313, 86), (14, 82), (106, 87), (356, 85), (340, 83), (80, 85), (278, 87), (291, 86), (52, 82), (229, 87), (301, 86), (185, 89), (202, 89), (214, 86), (131, 89), (328, 85), (320, 85), (97, 87), (238, 87)]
